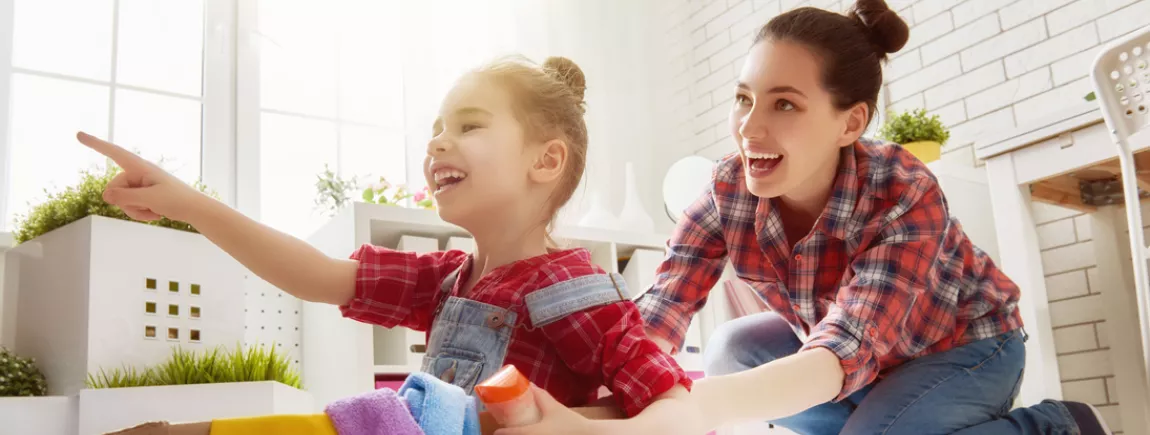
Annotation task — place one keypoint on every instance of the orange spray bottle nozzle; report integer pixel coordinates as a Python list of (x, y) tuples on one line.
[(505, 385)]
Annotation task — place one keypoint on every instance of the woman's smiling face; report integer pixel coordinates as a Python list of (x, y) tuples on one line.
[(784, 121)]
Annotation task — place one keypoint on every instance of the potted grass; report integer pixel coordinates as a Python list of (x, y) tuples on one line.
[(98, 290), (193, 386), (920, 134)]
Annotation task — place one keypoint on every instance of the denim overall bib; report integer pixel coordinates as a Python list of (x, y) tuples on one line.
[(469, 339)]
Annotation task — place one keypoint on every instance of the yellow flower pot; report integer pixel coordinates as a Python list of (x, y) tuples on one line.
[(926, 150)]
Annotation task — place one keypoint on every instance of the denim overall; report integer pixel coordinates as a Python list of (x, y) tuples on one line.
[(469, 339)]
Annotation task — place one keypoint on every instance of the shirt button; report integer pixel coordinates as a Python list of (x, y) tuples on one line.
[(494, 321), (799, 257)]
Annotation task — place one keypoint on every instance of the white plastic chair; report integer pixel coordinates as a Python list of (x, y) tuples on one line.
[(1121, 77)]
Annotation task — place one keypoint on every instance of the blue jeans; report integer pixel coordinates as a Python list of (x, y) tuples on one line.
[(968, 390)]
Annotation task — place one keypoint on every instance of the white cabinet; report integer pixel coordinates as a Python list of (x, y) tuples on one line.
[(968, 198)]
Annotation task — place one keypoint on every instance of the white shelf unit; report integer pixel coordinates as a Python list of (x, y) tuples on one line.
[(340, 356)]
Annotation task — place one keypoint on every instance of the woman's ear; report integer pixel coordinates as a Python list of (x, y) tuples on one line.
[(856, 117), (549, 163)]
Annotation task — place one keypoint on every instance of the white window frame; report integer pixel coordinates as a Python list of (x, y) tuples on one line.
[(7, 28), (218, 167), (217, 123), (249, 110)]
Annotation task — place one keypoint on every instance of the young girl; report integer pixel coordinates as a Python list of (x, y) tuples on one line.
[(884, 318), (507, 151)]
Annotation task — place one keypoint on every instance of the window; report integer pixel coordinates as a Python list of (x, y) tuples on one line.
[(138, 84), (194, 312), (150, 307), (194, 336), (173, 333), (150, 284), (195, 289), (149, 331), (355, 88), (173, 310), (173, 286), (330, 93)]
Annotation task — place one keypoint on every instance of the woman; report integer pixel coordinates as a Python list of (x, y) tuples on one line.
[(884, 317)]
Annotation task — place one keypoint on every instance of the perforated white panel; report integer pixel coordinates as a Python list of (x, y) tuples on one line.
[(1122, 81), (271, 317)]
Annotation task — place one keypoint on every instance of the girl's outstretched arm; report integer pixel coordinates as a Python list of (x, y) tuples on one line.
[(146, 192)]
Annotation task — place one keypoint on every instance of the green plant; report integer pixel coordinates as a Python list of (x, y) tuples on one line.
[(80, 201), (19, 376), (256, 363), (384, 192), (332, 191), (914, 126)]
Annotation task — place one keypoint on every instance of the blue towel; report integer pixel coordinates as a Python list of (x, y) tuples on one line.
[(439, 407)]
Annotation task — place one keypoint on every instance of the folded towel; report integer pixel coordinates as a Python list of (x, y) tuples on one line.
[(379, 412), (310, 424), (439, 407)]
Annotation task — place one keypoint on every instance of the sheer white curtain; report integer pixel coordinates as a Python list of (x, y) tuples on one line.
[(612, 41)]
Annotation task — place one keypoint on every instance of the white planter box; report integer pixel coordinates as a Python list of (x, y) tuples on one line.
[(83, 293), (52, 415), (107, 410)]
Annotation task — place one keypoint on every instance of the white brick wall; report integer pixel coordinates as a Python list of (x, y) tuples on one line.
[(1076, 309), (982, 66)]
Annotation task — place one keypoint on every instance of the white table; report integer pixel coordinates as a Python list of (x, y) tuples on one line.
[(1044, 161)]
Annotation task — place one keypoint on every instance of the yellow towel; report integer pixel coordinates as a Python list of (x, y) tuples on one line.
[(309, 424)]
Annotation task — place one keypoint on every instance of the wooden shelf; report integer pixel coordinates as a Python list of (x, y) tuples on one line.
[(1088, 188)]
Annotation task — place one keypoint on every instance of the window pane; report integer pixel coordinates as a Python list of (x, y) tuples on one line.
[(293, 151), (297, 62), (71, 37), (369, 152), (161, 128), (161, 45), (370, 71), (46, 113)]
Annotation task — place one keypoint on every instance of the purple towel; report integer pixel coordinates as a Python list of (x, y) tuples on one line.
[(380, 412)]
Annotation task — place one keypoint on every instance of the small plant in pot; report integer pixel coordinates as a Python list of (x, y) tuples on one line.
[(19, 377), (919, 133), (333, 192)]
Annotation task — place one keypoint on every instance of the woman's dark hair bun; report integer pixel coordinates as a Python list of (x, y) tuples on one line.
[(568, 72), (887, 31)]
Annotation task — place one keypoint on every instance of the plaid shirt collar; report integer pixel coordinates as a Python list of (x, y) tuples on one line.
[(840, 218)]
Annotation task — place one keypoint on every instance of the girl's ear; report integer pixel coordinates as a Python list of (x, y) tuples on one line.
[(549, 163), (856, 124)]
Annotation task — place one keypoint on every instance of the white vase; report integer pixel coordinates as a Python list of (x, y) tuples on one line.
[(633, 217), (599, 216)]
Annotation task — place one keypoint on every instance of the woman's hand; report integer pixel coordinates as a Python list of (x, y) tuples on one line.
[(143, 190), (557, 420)]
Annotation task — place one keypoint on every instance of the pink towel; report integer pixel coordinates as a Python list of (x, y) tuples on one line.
[(380, 412)]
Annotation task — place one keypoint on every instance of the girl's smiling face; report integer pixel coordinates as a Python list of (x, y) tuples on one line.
[(476, 161)]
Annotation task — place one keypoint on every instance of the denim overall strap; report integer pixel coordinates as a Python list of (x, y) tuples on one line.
[(468, 342), (574, 295)]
